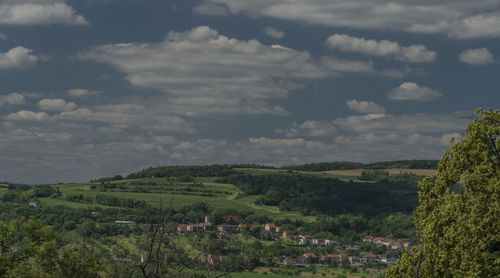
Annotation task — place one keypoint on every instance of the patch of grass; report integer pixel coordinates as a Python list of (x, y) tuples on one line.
[(57, 202), (3, 190)]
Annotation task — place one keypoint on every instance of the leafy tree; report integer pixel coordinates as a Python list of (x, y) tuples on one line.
[(29, 249), (459, 225)]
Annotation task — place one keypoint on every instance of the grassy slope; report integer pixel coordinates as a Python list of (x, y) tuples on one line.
[(232, 199), (223, 201)]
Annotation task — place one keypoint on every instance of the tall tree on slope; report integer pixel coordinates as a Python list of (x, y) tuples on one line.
[(458, 218)]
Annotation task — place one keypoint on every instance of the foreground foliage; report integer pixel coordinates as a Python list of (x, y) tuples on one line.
[(459, 225), (30, 249)]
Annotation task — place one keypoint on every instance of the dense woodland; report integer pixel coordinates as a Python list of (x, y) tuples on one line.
[(316, 195)]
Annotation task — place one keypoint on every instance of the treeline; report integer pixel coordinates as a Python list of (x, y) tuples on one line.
[(317, 195), (184, 171), (401, 164)]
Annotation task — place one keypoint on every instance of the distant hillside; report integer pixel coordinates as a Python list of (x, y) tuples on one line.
[(217, 170), (184, 171), (400, 164)]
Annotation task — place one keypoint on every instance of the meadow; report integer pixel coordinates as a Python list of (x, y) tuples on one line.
[(168, 193)]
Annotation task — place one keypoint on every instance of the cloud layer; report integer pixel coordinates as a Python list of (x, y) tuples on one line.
[(204, 72), (460, 19)]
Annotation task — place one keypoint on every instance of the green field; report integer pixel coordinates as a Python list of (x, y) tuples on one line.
[(224, 196), (57, 202), (344, 176), (2, 191)]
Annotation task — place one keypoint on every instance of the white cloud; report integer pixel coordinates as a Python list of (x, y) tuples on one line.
[(3, 36), (24, 115), (412, 91), (383, 48), (129, 116), (461, 19), (308, 128), (210, 9), (56, 105), (368, 107), (82, 92), (480, 56), (402, 124), (339, 65), (19, 58), (12, 99), (485, 25), (38, 12), (274, 33), (204, 72)]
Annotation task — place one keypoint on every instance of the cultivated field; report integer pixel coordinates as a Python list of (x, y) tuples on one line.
[(172, 194)]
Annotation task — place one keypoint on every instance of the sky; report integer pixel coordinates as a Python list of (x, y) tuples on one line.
[(96, 88)]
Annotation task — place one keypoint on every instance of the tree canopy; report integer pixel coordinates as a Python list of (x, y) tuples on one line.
[(457, 218)]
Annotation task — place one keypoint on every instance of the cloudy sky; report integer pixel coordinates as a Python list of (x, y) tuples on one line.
[(102, 87)]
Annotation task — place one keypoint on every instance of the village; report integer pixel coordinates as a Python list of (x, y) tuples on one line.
[(389, 250)]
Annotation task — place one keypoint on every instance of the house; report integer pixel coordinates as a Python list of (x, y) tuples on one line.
[(242, 227), (95, 213), (334, 258), (397, 245), (287, 235), (387, 242), (305, 239), (377, 240), (406, 245), (270, 227), (388, 258), (369, 258), (318, 242), (227, 228), (310, 257), (298, 261), (368, 239), (195, 228), (354, 260), (181, 228), (330, 242), (33, 204)]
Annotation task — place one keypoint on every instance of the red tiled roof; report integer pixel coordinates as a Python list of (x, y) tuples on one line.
[(312, 255)]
